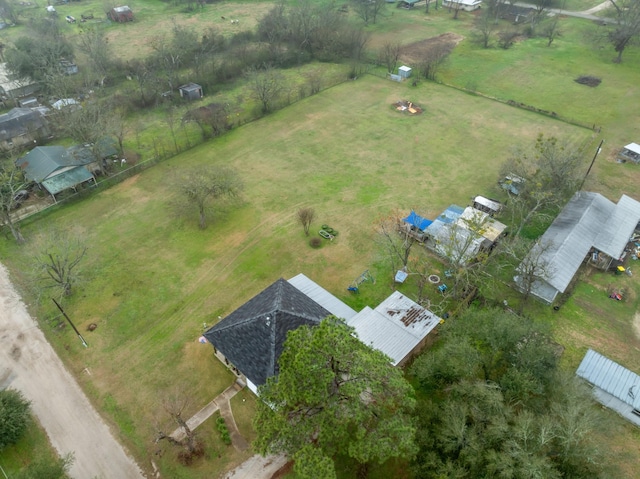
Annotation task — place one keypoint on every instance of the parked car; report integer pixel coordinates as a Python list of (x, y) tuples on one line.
[(19, 198)]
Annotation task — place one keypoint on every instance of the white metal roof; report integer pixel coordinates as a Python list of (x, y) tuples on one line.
[(634, 147), (481, 223), (614, 236), (395, 327), (321, 296), (404, 68), (611, 377), (488, 203)]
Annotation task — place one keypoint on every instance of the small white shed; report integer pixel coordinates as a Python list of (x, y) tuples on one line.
[(404, 71), (630, 152)]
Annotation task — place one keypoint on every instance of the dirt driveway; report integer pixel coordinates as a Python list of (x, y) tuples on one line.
[(29, 364)]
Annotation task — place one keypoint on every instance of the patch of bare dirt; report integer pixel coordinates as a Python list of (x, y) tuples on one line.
[(419, 51), (588, 80)]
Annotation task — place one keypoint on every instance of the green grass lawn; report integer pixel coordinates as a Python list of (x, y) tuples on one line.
[(152, 279), (18, 456)]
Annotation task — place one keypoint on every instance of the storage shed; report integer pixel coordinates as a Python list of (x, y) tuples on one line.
[(404, 71), (614, 386), (121, 14), (488, 205), (630, 152), (191, 91)]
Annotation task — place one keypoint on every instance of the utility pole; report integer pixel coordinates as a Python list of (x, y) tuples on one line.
[(84, 343), (591, 165)]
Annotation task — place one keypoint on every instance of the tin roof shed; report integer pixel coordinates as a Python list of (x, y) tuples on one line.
[(613, 385)]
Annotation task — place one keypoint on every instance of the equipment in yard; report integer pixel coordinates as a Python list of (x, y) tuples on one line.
[(365, 277)]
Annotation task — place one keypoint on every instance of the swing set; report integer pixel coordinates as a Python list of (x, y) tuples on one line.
[(365, 277)]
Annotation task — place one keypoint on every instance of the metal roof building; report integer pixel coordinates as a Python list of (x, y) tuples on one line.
[(323, 297), (398, 327), (589, 220), (613, 385)]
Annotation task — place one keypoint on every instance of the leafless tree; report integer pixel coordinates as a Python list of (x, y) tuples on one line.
[(56, 259), (11, 182), (551, 170), (368, 10), (389, 54), (534, 265), (626, 31), (267, 84), (212, 119), (314, 79), (175, 406), (395, 241), (203, 185), (550, 29), (433, 60), (94, 44), (305, 217)]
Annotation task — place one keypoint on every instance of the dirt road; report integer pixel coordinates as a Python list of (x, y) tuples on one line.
[(29, 364)]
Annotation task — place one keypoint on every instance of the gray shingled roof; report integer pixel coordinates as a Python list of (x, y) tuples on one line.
[(18, 122), (252, 337)]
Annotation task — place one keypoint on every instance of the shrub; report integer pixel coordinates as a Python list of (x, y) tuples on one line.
[(315, 242), (14, 415)]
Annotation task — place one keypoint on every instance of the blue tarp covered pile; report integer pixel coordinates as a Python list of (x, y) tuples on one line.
[(418, 221)]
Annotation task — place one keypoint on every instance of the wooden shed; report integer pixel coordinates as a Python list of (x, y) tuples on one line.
[(121, 14)]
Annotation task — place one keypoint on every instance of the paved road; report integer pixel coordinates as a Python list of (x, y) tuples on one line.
[(28, 363)]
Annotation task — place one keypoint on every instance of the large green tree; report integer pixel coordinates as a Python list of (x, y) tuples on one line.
[(496, 405), (333, 396), (14, 416)]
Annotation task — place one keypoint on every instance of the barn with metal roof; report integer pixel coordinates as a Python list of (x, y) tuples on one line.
[(589, 228), (613, 385)]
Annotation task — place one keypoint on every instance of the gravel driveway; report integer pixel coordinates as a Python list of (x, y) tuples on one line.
[(29, 364)]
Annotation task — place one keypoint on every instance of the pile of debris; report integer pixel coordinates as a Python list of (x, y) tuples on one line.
[(407, 106)]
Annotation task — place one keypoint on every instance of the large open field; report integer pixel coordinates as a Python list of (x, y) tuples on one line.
[(152, 280)]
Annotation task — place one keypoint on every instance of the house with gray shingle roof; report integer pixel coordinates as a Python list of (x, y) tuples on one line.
[(251, 339), (589, 229), (614, 386), (21, 126)]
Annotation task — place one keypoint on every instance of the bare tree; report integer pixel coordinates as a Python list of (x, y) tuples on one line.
[(56, 257), (203, 185), (94, 44), (314, 79), (550, 29), (551, 173), (305, 217), (212, 119), (534, 265), (434, 59), (389, 54), (175, 406), (267, 84), (11, 182), (368, 10), (395, 241), (626, 31)]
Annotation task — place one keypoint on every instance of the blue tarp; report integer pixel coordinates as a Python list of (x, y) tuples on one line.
[(418, 221)]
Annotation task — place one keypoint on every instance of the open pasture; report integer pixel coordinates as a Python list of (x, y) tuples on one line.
[(152, 279)]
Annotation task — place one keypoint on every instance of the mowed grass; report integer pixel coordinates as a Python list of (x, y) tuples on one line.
[(152, 279)]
